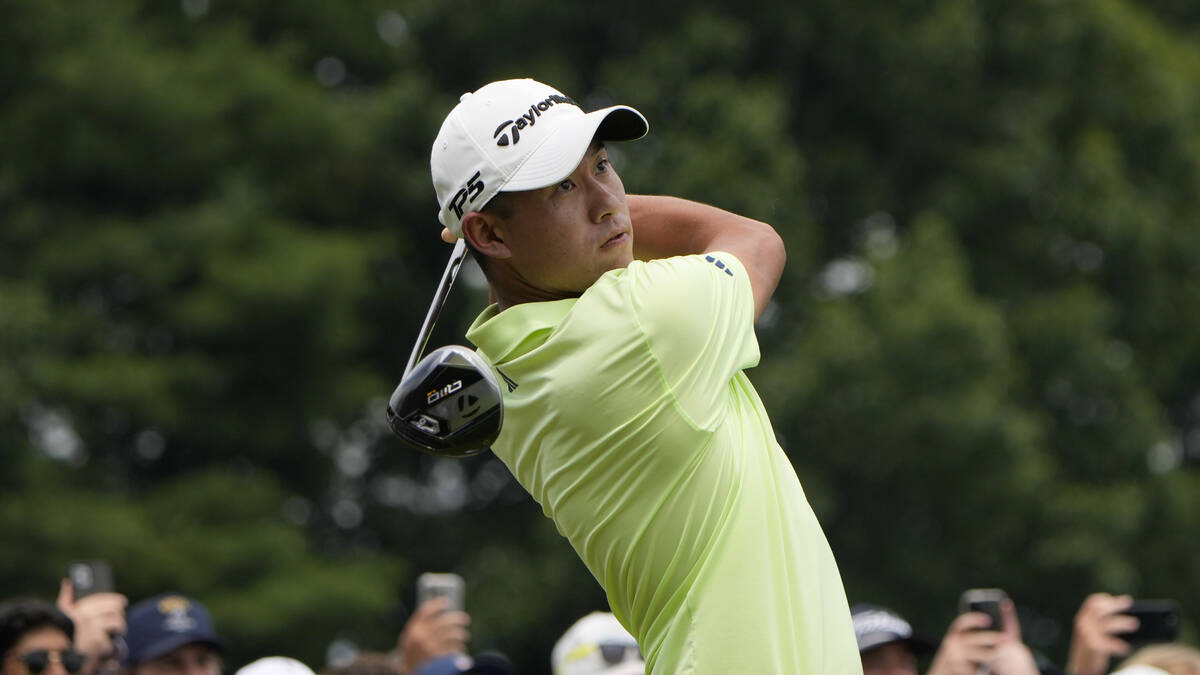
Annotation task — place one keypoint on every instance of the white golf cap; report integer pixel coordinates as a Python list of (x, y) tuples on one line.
[(275, 665), (514, 135), (597, 644)]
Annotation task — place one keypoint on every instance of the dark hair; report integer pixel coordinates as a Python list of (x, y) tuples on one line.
[(19, 616), (501, 206)]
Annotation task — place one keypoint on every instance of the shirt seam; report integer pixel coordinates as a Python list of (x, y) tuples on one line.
[(670, 390)]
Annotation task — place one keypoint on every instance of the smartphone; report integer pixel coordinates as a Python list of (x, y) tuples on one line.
[(90, 576), (1158, 621), (433, 585), (985, 600)]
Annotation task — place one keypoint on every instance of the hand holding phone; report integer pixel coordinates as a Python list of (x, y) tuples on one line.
[(89, 597), (986, 601), (434, 585), (971, 643), (89, 577), (435, 631), (1158, 621)]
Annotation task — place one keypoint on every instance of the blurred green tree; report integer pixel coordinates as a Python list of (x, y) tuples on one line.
[(217, 241)]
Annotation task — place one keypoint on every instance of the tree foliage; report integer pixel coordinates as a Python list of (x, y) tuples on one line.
[(218, 239)]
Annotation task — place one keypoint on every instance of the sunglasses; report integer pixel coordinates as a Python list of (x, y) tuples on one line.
[(39, 659), (615, 652)]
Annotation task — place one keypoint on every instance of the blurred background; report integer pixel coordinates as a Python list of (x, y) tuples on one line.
[(218, 238)]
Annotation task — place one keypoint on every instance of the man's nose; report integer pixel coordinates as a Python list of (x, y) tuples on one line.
[(604, 200), (55, 666)]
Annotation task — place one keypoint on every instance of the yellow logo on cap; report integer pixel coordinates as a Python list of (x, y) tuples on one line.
[(173, 604)]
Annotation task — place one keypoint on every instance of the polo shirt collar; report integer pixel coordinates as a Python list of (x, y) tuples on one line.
[(504, 336)]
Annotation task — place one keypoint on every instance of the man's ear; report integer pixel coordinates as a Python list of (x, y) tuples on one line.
[(482, 232)]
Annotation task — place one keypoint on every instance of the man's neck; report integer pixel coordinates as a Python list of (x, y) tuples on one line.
[(511, 297), (509, 288)]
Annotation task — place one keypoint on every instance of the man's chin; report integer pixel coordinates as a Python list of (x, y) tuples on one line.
[(621, 261)]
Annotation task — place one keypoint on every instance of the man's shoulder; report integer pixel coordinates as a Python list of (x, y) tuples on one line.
[(681, 275), (661, 292)]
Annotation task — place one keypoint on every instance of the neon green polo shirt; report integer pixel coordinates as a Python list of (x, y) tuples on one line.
[(629, 419)]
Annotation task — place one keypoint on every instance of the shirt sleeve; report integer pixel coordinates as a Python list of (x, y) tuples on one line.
[(697, 316)]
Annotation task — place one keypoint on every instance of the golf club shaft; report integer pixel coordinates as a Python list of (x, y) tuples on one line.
[(439, 299)]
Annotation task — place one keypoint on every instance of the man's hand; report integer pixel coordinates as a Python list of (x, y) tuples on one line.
[(98, 617), (1093, 643), (434, 630)]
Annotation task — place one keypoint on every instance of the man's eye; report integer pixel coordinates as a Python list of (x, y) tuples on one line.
[(602, 165), (566, 185)]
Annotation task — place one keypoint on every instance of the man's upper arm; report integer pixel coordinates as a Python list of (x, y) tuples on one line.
[(669, 226), (697, 316)]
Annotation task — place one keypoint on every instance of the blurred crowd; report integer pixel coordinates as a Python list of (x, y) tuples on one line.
[(1107, 637), (172, 634)]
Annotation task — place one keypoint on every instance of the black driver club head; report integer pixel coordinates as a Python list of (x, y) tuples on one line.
[(449, 404)]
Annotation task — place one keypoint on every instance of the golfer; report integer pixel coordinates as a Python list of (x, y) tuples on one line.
[(621, 329)]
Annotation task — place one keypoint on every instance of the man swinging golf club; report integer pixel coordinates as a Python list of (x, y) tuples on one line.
[(621, 328)]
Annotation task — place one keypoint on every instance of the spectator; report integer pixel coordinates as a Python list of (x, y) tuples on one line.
[(1094, 641), (433, 642), (971, 643), (597, 644), (1162, 659), (433, 631), (886, 641), (36, 638), (888, 646), (170, 634), (487, 663), (99, 621), (275, 665)]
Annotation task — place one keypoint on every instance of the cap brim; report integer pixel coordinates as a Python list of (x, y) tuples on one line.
[(562, 150), (637, 668), (163, 647), (919, 645)]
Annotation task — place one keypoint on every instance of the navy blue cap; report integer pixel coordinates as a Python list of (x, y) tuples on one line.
[(487, 663), (164, 623)]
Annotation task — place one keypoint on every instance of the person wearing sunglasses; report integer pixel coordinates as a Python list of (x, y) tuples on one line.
[(597, 644), (36, 638)]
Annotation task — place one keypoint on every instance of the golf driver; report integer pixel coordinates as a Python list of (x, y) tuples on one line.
[(449, 404)]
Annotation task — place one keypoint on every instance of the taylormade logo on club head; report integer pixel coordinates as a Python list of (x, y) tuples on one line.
[(527, 119)]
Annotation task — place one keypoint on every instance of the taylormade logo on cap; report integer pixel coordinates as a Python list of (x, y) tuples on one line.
[(527, 119), (515, 135)]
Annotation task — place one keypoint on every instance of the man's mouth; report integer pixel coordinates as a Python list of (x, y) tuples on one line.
[(616, 240)]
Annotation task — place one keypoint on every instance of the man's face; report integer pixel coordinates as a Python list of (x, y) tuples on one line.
[(193, 659), (894, 658), (563, 237), (47, 638)]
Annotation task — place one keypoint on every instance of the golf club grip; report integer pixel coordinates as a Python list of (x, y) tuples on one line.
[(439, 298)]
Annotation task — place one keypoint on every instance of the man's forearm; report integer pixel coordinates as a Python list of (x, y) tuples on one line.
[(669, 226)]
